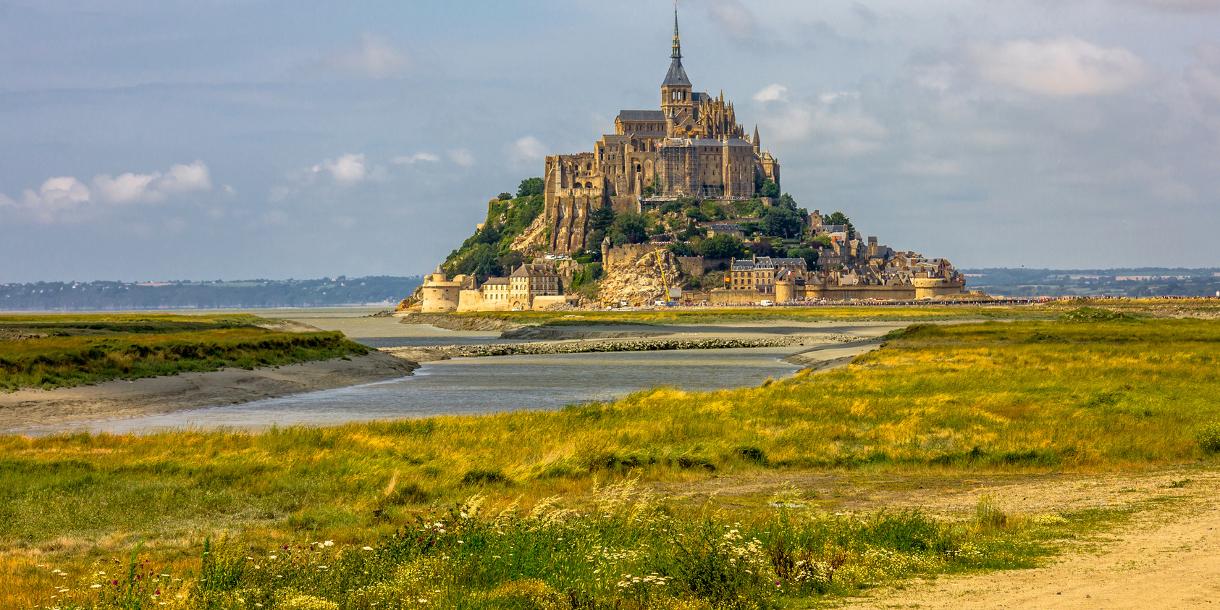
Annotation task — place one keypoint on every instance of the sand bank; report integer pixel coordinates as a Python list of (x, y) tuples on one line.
[(117, 399)]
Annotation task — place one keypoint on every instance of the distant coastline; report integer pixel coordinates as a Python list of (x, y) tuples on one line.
[(339, 291)]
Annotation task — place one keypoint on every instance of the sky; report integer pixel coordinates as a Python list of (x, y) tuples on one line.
[(226, 139)]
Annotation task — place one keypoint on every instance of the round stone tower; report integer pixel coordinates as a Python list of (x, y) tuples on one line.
[(439, 294), (785, 290)]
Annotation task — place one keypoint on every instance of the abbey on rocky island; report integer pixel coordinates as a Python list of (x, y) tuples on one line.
[(692, 147)]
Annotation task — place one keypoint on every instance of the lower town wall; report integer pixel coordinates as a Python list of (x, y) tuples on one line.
[(550, 302)]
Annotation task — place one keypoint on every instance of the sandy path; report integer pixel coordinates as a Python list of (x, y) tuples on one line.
[(1168, 556)]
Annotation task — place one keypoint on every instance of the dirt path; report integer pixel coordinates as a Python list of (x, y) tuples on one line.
[(1168, 556)]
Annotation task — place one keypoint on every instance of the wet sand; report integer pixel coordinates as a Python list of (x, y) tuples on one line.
[(157, 395)]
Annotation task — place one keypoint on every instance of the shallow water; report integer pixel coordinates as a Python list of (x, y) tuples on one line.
[(484, 385)]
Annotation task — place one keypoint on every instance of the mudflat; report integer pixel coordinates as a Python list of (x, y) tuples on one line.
[(26, 409)]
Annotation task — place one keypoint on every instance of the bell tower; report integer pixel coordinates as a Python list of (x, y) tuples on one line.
[(676, 100)]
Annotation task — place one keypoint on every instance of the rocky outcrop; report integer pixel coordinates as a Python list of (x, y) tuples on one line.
[(609, 345), (533, 239), (458, 322), (634, 274)]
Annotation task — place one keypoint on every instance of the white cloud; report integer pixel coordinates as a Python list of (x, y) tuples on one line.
[(771, 93), (348, 169), (65, 198), (1058, 67), (932, 168), (529, 149), (835, 121), (56, 195), (150, 188), (734, 18), (412, 159), (1204, 76), (375, 58), (462, 157), (126, 188), (186, 178)]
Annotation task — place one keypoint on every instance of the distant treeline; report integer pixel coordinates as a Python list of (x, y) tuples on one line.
[(108, 296), (1127, 282)]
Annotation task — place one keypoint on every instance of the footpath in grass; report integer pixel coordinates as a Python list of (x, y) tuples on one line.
[(51, 351), (1089, 393)]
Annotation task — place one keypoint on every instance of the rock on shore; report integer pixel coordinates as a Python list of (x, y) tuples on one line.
[(610, 345)]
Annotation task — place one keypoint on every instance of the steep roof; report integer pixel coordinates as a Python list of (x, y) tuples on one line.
[(676, 75), (641, 115), (534, 270)]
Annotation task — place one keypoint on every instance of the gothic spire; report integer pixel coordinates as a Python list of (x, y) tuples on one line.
[(677, 52), (677, 74)]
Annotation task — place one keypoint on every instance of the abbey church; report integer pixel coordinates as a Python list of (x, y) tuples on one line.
[(692, 147)]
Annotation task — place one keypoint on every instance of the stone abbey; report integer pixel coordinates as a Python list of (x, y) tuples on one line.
[(692, 147)]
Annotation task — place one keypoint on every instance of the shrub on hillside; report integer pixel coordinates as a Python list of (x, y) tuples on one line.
[(1209, 437)]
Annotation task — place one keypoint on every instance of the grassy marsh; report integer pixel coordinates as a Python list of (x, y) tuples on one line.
[(50, 351), (1033, 396)]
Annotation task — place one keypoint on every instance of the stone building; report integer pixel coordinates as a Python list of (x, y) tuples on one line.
[(693, 146), (531, 286), (758, 274), (532, 280)]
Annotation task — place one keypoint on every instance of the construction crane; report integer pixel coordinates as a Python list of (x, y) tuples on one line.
[(666, 298)]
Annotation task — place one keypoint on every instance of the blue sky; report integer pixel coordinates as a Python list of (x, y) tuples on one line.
[(165, 139)]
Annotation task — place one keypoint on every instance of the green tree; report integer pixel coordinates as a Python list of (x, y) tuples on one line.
[(681, 248), (504, 196), (809, 254), (629, 228), (721, 246), (696, 214), (510, 261), (480, 261), (839, 218), (601, 219), (586, 275), (489, 234), (769, 189), (531, 186), (787, 201), (783, 221)]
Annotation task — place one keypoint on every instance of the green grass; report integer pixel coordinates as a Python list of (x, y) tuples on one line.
[(761, 314), (996, 397), (50, 351), (624, 549)]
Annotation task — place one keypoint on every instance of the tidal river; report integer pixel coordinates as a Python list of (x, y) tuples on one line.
[(485, 385)]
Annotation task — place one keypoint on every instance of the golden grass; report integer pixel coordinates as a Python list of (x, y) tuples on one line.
[(983, 397)]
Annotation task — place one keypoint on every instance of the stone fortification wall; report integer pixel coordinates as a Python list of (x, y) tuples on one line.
[(439, 296)]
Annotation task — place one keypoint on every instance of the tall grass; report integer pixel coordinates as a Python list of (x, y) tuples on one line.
[(986, 397), (623, 549)]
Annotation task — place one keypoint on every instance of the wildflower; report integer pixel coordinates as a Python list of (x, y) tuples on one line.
[(366, 548), (329, 543)]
